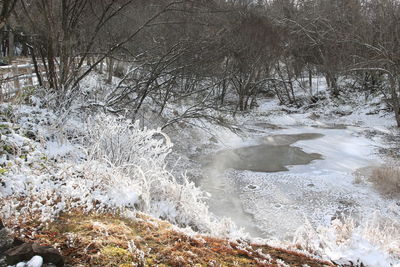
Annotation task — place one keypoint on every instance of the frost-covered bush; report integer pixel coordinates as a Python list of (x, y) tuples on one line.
[(139, 154), (374, 242), (123, 169), (122, 143)]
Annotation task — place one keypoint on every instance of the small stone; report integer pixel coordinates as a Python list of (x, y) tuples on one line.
[(250, 186), (36, 261), (18, 254), (49, 254), (21, 264)]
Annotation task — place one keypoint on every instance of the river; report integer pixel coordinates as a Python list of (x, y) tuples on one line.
[(271, 185)]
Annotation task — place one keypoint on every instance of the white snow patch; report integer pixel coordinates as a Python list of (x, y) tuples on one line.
[(36, 261), (56, 149)]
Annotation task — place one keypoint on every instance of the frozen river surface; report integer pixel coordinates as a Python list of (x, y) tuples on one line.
[(274, 184)]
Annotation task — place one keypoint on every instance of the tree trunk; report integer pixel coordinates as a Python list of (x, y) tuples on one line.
[(241, 102), (10, 44), (331, 81), (110, 66), (35, 65), (223, 93), (395, 99)]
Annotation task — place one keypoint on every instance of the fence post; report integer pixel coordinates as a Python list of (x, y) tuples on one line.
[(29, 72), (11, 44), (1, 87), (17, 84), (101, 66)]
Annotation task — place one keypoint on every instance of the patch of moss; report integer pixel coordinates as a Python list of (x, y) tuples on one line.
[(9, 149), (115, 256), (3, 171), (110, 251)]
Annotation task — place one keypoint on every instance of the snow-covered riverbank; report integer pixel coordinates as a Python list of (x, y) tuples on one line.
[(314, 199)]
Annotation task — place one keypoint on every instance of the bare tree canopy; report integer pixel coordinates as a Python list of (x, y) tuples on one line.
[(238, 48)]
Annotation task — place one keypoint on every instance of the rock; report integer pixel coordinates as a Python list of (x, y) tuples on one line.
[(342, 113), (250, 186), (374, 112), (21, 264), (314, 116), (36, 261), (18, 254), (49, 254), (6, 240)]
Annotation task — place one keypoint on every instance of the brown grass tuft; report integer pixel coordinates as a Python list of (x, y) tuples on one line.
[(386, 179), (108, 240)]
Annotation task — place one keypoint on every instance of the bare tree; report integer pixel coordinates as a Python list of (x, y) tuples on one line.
[(378, 48)]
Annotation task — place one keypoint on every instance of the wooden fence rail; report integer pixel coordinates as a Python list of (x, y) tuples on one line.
[(20, 75), (14, 78)]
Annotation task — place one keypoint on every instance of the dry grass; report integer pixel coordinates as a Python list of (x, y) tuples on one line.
[(107, 240), (360, 238), (386, 179)]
